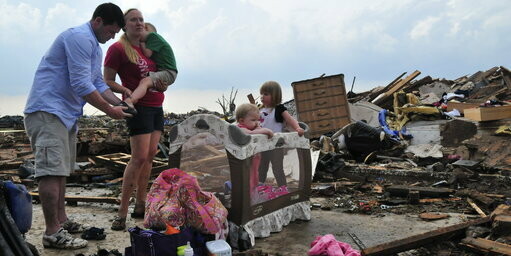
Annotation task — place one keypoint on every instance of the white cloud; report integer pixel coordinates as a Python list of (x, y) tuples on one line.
[(60, 16), (223, 43), (18, 20), (423, 28)]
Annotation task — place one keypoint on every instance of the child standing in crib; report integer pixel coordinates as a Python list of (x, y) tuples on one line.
[(247, 116), (275, 117)]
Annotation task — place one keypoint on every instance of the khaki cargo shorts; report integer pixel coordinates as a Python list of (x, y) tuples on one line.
[(54, 146), (168, 76)]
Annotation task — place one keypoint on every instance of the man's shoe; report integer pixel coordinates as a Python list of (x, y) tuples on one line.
[(63, 240)]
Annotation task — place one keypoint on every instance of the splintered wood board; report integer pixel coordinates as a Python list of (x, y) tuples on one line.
[(488, 113)]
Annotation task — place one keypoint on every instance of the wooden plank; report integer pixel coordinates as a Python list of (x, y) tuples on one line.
[(501, 225), (506, 76), (502, 209), (488, 113), (481, 199), (251, 98), (89, 199), (486, 246), (396, 87), (437, 200), (461, 106), (474, 205), (9, 164), (384, 89), (433, 216), (421, 239), (402, 190)]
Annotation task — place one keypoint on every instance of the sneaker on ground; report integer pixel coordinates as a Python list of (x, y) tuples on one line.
[(63, 240)]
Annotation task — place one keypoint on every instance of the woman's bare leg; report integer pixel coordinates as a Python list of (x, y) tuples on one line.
[(145, 173), (139, 152)]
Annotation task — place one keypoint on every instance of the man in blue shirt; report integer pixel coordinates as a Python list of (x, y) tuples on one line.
[(68, 76)]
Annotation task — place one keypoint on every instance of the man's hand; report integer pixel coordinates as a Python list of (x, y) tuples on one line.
[(117, 112)]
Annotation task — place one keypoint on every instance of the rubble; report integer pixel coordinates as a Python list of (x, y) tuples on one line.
[(401, 154)]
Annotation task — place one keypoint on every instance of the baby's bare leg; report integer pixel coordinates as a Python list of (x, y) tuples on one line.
[(140, 91)]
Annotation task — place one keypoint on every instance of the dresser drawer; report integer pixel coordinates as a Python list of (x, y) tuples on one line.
[(323, 114), (319, 93), (314, 104), (320, 127), (317, 83)]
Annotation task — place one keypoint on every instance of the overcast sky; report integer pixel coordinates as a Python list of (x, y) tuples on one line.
[(224, 44)]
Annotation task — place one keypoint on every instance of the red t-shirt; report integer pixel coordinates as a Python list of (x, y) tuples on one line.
[(131, 74)]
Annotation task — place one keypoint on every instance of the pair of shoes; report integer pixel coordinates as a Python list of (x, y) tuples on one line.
[(130, 110), (63, 240), (119, 223), (94, 233), (72, 227)]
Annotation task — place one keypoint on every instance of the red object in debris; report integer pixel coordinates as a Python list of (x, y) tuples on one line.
[(364, 207), (454, 157)]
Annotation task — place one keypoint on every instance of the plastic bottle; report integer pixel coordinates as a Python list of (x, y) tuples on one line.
[(188, 249)]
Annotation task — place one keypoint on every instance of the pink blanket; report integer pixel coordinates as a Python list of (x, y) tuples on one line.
[(327, 245)]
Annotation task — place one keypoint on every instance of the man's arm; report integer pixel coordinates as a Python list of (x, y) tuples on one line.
[(110, 97), (96, 100)]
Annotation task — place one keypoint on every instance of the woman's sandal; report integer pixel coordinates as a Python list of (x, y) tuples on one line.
[(138, 214), (130, 110), (119, 223)]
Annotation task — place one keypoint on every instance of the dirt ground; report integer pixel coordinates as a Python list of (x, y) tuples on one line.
[(295, 239)]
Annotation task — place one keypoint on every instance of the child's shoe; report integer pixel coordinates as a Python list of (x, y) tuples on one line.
[(130, 110)]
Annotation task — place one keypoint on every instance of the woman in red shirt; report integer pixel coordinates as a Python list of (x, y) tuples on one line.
[(125, 58)]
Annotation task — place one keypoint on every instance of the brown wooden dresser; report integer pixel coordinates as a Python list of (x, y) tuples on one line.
[(321, 103)]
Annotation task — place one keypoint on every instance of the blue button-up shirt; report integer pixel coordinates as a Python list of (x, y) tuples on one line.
[(69, 70)]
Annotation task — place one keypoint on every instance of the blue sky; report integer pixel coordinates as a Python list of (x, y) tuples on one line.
[(223, 44)]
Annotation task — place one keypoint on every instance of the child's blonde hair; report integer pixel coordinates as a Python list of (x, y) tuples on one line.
[(243, 110), (150, 27), (131, 53), (272, 88)]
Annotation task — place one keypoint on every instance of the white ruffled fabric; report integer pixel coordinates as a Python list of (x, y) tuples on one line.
[(275, 221)]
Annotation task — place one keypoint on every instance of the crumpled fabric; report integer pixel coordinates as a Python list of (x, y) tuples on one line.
[(176, 199), (327, 245)]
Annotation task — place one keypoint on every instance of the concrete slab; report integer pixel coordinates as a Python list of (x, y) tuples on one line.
[(295, 239)]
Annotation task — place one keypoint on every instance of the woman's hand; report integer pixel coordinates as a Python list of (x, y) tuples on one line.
[(159, 85)]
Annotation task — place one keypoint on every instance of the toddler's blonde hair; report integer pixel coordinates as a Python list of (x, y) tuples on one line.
[(150, 27), (243, 110), (272, 88)]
